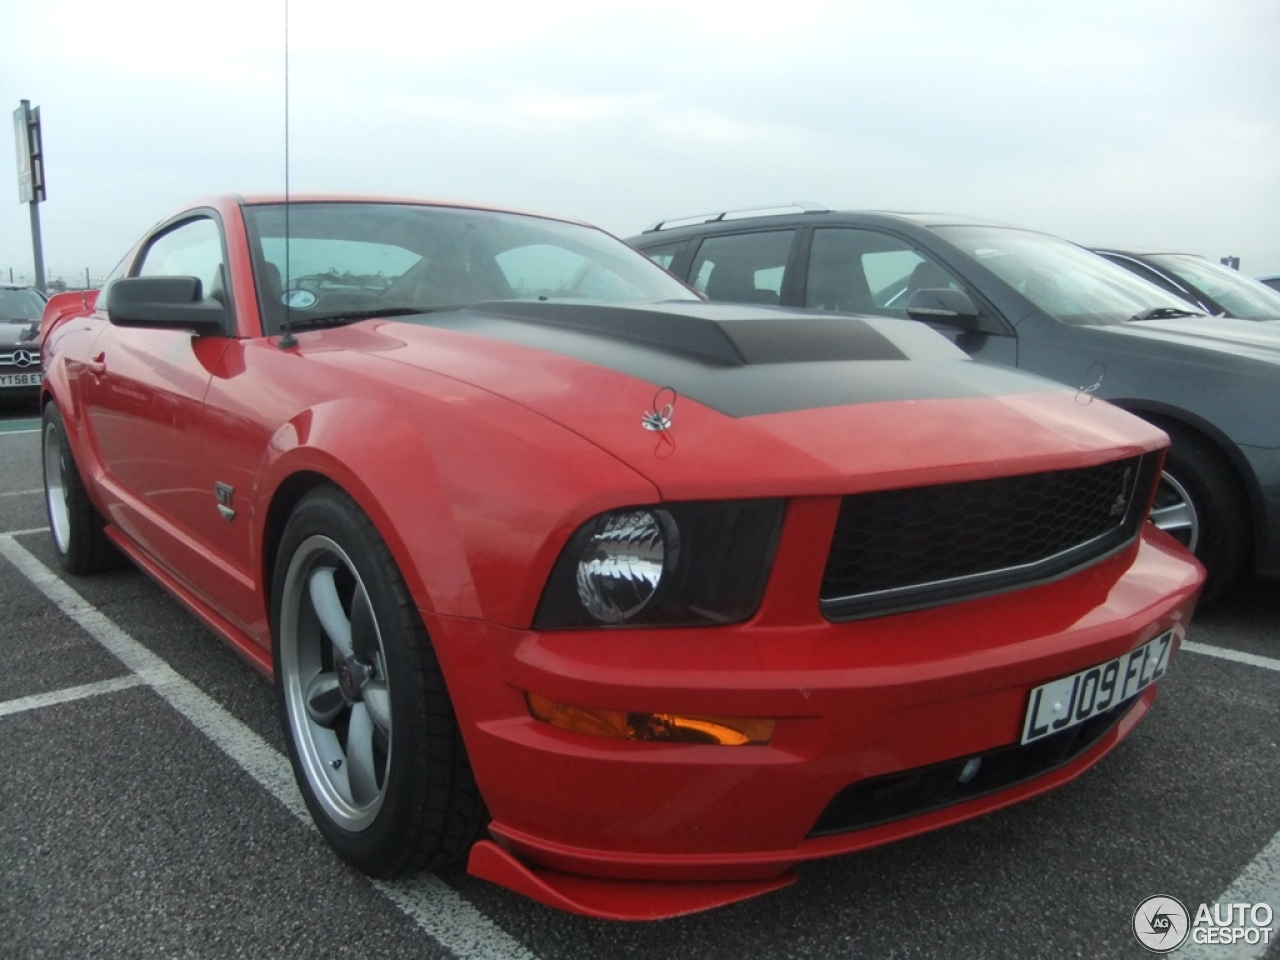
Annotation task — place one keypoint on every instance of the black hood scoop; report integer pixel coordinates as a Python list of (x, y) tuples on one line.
[(742, 360), (722, 335)]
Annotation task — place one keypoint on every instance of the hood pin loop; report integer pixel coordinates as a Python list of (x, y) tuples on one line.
[(659, 418)]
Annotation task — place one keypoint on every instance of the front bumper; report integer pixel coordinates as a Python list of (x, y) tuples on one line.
[(853, 701)]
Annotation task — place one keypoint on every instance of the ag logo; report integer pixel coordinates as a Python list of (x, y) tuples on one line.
[(1161, 924)]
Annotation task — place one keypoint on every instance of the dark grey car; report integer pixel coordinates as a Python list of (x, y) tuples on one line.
[(1027, 299), (20, 311)]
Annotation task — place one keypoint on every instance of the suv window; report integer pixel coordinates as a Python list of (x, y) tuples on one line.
[(743, 267), (865, 271), (191, 249)]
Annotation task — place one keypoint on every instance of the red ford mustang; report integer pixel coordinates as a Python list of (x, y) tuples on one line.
[(636, 600)]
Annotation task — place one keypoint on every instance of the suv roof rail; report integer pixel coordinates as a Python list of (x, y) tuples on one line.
[(773, 210)]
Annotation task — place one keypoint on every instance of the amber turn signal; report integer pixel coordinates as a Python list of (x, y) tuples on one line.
[(659, 727)]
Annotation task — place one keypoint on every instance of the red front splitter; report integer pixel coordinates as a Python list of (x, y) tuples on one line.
[(612, 899)]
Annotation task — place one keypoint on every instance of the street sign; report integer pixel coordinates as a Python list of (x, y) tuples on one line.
[(26, 135)]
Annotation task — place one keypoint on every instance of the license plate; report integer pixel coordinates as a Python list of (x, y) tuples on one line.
[(21, 379), (1064, 703)]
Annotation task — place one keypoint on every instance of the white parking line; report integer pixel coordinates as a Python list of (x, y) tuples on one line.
[(1259, 883), (69, 694), (1260, 880), (21, 493), (1222, 653), (434, 906)]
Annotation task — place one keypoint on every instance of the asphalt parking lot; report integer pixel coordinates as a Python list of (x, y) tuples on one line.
[(147, 810)]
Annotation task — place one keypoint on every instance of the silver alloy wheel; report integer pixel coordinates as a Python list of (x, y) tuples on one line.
[(1175, 512), (334, 677), (55, 488)]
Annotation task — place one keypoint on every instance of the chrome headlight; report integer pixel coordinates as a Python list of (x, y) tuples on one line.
[(621, 567), (678, 564)]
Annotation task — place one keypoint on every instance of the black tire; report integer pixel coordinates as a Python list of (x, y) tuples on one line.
[(1202, 504), (353, 662), (75, 525)]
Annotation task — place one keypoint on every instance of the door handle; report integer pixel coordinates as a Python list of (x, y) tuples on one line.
[(97, 366)]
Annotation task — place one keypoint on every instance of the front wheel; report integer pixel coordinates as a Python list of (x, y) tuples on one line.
[(1200, 503), (372, 735)]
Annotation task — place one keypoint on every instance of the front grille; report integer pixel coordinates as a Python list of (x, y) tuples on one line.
[(21, 359), (869, 803), (903, 549)]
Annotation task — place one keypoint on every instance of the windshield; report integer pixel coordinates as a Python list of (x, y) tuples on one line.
[(20, 304), (347, 259), (1241, 296), (1062, 279)]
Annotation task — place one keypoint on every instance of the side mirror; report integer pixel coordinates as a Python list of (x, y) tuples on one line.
[(166, 302), (952, 308)]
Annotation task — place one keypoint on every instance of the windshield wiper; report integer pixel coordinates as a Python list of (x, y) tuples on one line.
[(1165, 313), (303, 322)]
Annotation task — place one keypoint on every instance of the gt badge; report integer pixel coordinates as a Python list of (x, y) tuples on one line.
[(224, 493)]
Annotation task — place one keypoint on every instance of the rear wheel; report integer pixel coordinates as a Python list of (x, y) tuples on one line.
[(372, 735), (76, 526), (1200, 503)]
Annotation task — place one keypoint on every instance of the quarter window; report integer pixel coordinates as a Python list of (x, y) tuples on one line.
[(666, 254)]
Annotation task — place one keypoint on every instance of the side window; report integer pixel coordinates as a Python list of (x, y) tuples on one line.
[(191, 249), (864, 271), (743, 267)]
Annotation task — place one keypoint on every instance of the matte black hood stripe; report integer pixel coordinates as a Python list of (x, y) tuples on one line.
[(742, 363)]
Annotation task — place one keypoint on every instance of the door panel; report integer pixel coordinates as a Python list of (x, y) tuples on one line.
[(145, 393)]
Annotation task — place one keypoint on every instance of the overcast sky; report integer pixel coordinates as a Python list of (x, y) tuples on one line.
[(1126, 122)]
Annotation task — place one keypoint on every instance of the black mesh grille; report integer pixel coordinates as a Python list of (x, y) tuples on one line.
[(905, 548)]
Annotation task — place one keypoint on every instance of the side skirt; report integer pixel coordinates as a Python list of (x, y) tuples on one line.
[(258, 657)]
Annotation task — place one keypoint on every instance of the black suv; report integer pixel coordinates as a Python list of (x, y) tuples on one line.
[(1034, 301)]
